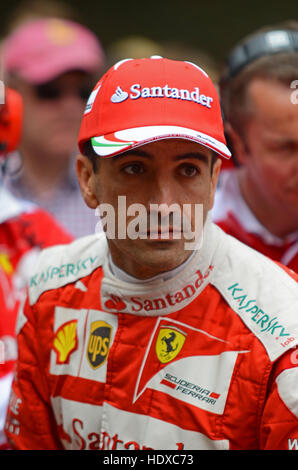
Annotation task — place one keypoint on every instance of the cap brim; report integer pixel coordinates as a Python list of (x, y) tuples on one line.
[(112, 144)]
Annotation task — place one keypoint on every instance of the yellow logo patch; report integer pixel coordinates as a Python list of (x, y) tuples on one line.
[(5, 263), (169, 343), (99, 343), (65, 341)]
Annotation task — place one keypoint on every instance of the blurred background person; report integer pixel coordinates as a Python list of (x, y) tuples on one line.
[(53, 63), (28, 10), (140, 46), (258, 201), (132, 46), (24, 231)]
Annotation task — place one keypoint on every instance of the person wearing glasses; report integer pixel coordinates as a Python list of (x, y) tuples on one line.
[(258, 201), (25, 230), (52, 62), (163, 332)]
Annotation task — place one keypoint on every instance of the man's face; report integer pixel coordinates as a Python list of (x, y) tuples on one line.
[(168, 172), (52, 114), (271, 135)]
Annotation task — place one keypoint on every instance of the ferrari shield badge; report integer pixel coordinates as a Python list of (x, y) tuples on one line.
[(169, 343)]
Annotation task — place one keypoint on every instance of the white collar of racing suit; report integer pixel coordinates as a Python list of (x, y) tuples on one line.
[(160, 296)]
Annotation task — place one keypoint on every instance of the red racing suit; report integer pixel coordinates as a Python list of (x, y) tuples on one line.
[(232, 214), (204, 360), (24, 231)]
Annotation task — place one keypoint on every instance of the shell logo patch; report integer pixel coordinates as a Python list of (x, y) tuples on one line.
[(99, 343), (65, 341), (169, 343)]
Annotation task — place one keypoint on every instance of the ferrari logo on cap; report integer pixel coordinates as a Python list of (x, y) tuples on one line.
[(169, 343)]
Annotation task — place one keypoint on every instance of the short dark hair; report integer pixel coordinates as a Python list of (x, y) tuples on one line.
[(94, 158), (89, 153), (281, 67), (214, 157)]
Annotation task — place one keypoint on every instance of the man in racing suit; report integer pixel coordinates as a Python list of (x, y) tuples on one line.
[(258, 201), (24, 231), (145, 342)]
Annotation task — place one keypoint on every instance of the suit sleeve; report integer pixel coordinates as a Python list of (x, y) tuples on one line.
[(30, 423), (279, 426)]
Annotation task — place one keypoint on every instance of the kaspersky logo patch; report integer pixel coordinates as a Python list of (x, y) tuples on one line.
[(65, 341), (265, 322), (169, 343), (99, 343)]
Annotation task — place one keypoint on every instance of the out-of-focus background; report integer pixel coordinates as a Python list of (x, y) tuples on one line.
[(179, 27), (55, 65), (50, 66)]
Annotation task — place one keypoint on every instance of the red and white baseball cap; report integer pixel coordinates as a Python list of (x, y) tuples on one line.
[(139, 101), (42, 49)]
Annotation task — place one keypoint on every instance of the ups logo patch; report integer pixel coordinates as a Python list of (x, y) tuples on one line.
[(99, 343)]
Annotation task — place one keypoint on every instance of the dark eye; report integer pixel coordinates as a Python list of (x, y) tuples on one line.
[(284, 148), (188, 170), (134, 168), (287, 147)]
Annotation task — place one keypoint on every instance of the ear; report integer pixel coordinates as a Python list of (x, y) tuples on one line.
[(238, 144), (214, 180), (85, 176)]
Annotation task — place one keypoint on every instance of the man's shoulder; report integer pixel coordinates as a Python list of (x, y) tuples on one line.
[(263, 293), (60, 265), (254, 261)]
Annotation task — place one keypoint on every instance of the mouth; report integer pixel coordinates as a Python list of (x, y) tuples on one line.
[(162, 233)]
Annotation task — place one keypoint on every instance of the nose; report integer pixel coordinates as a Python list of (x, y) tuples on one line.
[(163, 195), (163, 208)]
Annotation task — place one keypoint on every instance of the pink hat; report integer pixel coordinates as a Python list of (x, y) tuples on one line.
[(41, 50), (139, 101)]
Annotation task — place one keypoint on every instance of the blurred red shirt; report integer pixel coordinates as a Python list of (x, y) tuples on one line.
[(24, 231)]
